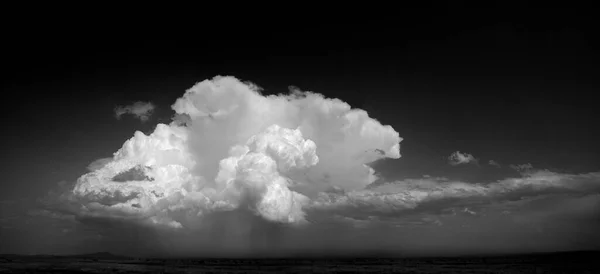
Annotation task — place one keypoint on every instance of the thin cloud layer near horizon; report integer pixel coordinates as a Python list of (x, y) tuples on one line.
[(238, 173)]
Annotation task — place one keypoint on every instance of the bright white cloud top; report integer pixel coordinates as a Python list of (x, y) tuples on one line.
[(232, 148)]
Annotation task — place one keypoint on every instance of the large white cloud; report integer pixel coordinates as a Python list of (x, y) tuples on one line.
[(232, 148)]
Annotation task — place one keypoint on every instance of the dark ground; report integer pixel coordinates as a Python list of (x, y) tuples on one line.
[(566, 262)]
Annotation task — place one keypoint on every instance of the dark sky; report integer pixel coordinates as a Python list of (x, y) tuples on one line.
[(513, 85)]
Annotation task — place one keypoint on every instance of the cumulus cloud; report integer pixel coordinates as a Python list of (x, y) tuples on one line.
[(140, 110), (230, 148), (494, 163), (458, 158)]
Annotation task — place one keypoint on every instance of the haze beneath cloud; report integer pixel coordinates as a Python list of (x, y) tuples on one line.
[(239, 173)]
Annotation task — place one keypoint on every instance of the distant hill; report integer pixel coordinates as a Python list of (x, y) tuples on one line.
[(561, 255), (90, 256), (99, 256)]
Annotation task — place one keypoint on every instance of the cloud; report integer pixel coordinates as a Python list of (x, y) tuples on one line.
[(98, 164), (535, 212), (494, 163), (140, 110), (415, 196), (524, 168), (458, 158), (230, 148), (239, 173), (540, 211)]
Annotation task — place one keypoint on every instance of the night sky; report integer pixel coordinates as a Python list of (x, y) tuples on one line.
[(514, 86)]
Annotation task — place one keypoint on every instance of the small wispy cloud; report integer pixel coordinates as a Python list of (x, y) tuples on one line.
[(458, 158), (494, 163), (524, 168), (140, 110)]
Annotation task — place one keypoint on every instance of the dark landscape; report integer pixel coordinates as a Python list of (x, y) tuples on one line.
[(560, 262)]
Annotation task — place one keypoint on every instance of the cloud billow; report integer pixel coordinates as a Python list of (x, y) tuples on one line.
[(236, 149)]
